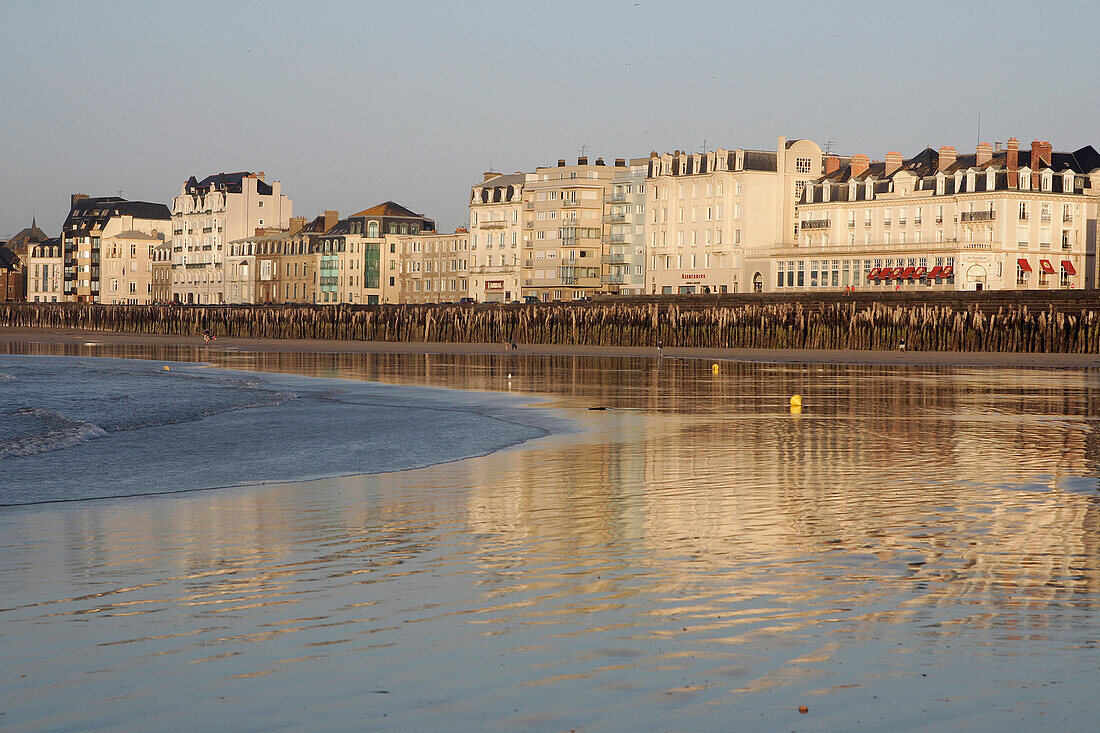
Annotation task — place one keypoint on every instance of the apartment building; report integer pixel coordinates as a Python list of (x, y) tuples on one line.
[(350, 254), (161, 273), (496, 233), (710, 213), (91, 221), (126, 267), (40, 263), (999, 218), (563, 230), (624, 249), (206, 216), (428, 267), (301, 258), (244, 260)]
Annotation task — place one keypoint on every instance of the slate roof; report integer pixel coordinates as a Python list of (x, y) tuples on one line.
[(510, 179), (388, 208), (88, 213), (229, 182), (31, 235), (8, 259)]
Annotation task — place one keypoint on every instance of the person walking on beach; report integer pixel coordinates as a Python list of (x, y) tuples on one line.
[(660, 348)]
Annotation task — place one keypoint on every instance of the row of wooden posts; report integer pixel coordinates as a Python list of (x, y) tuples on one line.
[(766, 326)]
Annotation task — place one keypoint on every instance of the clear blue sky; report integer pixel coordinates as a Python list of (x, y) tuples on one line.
[(353, 103)]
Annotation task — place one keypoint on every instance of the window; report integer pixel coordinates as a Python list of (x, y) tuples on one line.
[(802, 165)]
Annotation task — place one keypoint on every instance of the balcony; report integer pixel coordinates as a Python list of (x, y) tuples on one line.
[(568, 280), (901, 221), (207, 230), (528, 225), (1023, 216), (851, 223), (939, 220), (615, 219), (1067, 218), (616, 198), (493, 224), (570, 202), (617, 278), (616, 238), (1045, 218), (974, 216), (614, 259), (887, 222), (867, 223), (528, 205), (917, 221), (815, 224)]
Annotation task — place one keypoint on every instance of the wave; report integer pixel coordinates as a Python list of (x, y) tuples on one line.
[(51, 431), (5, 377)]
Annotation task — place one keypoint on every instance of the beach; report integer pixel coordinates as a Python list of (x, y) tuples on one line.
[(676, 550)]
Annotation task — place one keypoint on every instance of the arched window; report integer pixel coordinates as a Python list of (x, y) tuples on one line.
[(372, 229)]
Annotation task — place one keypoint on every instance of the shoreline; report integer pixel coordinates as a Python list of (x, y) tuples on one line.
[(10, 335)]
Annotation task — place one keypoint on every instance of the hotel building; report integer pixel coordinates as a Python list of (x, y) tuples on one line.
[(210, 213), (563, 230), (710, 215), (496, 231), (90, 222), (1000, 218), (624, 249), (428, 267), (40, 259)]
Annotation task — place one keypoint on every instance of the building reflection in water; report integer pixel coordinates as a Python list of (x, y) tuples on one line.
[(697, 526)]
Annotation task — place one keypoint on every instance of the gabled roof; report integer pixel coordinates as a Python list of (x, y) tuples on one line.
[(388, 208), (28, 236)]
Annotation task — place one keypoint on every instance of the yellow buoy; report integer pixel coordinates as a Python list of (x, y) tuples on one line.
[(714, 368), (166, 367), (796, 409), (796, 401)]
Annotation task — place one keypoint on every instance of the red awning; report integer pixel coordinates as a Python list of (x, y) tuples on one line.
[(873, 274), (907, 273), (934, 273), (897, 272), (920, 273), (948, 271), (1046, 267), (1068, 267), (1023, 265)]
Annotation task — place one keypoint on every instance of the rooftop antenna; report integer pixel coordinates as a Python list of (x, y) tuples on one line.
[(584, 150), (829, 146), (979, 127)]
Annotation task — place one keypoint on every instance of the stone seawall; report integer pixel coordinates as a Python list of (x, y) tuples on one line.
[(1029, 325)]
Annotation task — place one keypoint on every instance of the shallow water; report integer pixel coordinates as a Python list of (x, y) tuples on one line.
[(918, 549)]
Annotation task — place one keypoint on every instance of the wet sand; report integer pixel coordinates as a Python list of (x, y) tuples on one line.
[(915, 551), (766, 356)]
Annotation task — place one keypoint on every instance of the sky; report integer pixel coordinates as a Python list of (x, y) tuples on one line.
[(353, 103)]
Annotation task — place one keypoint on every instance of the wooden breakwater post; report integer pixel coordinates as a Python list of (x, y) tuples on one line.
[(770, 324)]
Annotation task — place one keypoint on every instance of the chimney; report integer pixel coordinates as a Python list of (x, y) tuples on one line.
[(260, 175), (860, 162), (487, 175), (620, 162), (561, 162), (984, 153), (832, 164), (893, 162), (998, 147), (1040, 151), (583, 160), (599, 161), (947, 158), (74, 198), (1012, 162), (331, 217), (296, 224)]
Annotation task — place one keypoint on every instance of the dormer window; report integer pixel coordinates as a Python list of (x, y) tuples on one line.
[(940, 181), (990, 180), (1047, 180), (1024, 180)]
